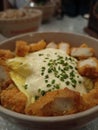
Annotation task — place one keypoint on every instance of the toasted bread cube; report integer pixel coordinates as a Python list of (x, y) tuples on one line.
[(22, 48), (84, 45), (37, 46)]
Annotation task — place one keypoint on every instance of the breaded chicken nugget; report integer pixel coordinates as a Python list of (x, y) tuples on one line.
[(96, 83), (51, 45), (88, 67), (84, 45), (5, 84), (91, 99), (82, 52), (60, 102), (13, 99), (37, 46), (6, 54), (65, 47)]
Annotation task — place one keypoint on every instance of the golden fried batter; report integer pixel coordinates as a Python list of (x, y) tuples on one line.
[(55, 103), (21, 48), (13, 99), (37, 46), (5, 84), (82, 52), (88, 67), (6, 54), (91, 99)]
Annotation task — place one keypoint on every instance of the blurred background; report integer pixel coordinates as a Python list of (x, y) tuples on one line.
[(79, 16)]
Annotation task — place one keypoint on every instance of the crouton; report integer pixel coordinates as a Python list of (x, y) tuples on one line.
[(37, 46), (22, 48)]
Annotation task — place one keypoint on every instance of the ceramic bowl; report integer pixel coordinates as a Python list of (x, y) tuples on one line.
[(59, 122), (18, 25), (48, 11)]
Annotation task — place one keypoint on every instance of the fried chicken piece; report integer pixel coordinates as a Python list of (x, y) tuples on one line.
[(65, 47), (51, 45), (96, 83), (60, 102), (22, 48), (37, 46), (91, 99), (5, 84), (88, 67), (11, 98), (6, 54), (82, 52)]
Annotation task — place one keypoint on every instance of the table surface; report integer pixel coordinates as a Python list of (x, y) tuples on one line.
[(68, 24)]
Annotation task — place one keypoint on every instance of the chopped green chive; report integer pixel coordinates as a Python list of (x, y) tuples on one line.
[(49, 70), (71, 67), (67, 82), (40, 54), (73, 85), (36, 97), (72, 74), (46, 81), (43, 92), (80, 82), (48, 85), (73, 81), (57, 86), (63, 68), (46, 76), (43, 68), (39, 90), (25, 86), (53, 81), (61, 78), (42, 73)]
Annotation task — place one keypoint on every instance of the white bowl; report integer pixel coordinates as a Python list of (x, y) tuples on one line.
[(51, 123)]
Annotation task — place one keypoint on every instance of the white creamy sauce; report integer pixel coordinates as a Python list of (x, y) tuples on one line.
[(52, 69)]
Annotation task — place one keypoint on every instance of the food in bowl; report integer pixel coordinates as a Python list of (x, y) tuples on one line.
[(18, 21), (49, 79), (8, 14)]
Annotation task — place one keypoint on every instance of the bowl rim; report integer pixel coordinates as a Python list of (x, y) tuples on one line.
[(30, 34), (49, 119), (91, 111)]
